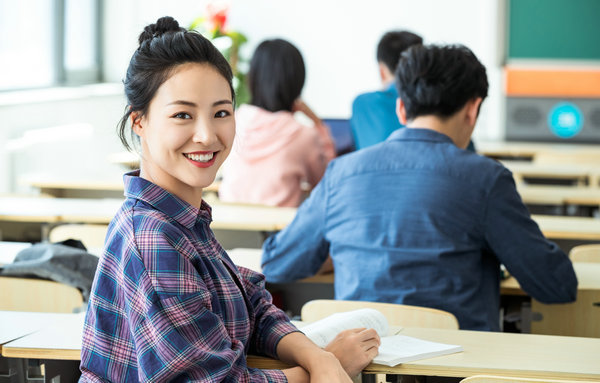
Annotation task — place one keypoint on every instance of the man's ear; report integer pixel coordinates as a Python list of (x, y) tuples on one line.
[(472, 111), (136, 123), (401, 111)]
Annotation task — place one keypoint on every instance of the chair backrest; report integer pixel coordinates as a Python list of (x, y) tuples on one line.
[(396, 314), (92, 236), (39, 295), (507, 379), (585, 253)]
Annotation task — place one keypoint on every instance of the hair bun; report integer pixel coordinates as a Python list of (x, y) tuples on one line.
[(162, 25)]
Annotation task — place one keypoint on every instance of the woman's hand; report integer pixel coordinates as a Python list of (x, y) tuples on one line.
[(355, 349)]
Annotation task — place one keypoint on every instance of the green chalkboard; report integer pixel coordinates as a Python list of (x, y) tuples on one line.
[(554, 29)]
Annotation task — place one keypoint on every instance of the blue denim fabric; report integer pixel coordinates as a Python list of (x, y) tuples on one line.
[(416, 220)]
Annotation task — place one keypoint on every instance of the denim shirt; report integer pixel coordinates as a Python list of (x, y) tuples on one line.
[(416, 220)]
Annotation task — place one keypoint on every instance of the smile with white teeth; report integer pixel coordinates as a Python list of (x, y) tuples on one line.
[(201, 157)]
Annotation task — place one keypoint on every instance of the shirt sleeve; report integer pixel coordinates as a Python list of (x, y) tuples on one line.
[(543, 270), (271, 324), (299, 250), (176, 334)]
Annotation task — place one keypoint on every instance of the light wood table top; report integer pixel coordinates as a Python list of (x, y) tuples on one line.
[(559, 195), (576, 228), (16, 324), (493, 353), (57, 338), (102, 210), (582, 173), (509, 149), (504, 354), (588, 274), (57, 186), (230, 216)]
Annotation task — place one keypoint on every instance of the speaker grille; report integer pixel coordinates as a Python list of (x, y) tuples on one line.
[(595, 118), (527, 115)]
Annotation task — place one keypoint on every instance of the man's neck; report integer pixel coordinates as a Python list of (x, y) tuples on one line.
[(448, 127)]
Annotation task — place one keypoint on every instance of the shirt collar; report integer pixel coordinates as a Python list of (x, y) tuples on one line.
[(169, 204), (416, 134)]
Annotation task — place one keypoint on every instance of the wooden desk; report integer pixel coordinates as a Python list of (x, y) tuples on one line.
[(582, 175), (63, 187), (230, 216), (102, 210), (529, 150), (15, 324), (504, 354), (59, 339), (577, 228), (492, 353), (559, 195)]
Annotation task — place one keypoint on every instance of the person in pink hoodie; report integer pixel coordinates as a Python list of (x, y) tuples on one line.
[(275, 158)]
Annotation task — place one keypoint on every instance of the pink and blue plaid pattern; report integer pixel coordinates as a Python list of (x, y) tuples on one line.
[(168, 304)]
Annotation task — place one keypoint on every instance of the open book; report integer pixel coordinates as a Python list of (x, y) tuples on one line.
[(394, 349)]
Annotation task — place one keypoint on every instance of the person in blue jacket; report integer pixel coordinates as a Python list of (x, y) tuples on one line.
[(373, 113), (419, 220)]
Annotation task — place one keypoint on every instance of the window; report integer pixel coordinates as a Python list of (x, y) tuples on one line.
[(49, 42)]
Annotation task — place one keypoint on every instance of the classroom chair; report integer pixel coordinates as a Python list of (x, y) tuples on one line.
[(38, 295), (506, 379), (585, 253), (92, 236), (396, 314)]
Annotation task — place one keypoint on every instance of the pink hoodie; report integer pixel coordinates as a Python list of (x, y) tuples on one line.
[(273, 155)]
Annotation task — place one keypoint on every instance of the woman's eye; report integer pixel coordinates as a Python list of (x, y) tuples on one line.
[(182, 115), (222, 113)]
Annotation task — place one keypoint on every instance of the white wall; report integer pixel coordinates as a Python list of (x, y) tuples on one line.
[(337, 39)]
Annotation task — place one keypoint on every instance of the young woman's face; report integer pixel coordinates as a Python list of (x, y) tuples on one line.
[(188, 131)]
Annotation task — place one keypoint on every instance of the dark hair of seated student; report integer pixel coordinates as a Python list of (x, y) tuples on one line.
[(276, 76)]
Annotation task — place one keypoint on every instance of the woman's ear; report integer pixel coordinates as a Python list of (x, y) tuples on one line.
[(136, 123)]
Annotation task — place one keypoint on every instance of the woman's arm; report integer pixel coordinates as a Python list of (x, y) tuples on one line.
[(345, 356), (322, 130)]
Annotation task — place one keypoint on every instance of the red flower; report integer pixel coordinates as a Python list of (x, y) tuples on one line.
[(216, 12)]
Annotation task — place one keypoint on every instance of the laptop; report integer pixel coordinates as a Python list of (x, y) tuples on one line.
[(341, 133)]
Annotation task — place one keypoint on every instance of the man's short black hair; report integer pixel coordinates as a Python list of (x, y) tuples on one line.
[(392, 44), (439, 80)]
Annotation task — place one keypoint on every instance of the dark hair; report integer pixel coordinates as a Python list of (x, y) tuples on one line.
[(162, 47), (392, 44), (276, 75), (439, 80)]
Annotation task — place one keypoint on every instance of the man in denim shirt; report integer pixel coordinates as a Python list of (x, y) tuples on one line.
[(418, 219)]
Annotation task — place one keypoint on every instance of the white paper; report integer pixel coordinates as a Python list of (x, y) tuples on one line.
[(398, 349), (323, 331)]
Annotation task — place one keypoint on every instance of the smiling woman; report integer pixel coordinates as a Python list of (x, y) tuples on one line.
[(167, 301), (188, 131)]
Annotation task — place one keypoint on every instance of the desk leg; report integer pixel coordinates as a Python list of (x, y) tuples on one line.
[(61, 371)]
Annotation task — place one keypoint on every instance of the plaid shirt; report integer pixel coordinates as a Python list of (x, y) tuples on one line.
[(168, 304)]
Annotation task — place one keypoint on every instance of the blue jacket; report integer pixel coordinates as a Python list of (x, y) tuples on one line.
[(374, 117), (416, 220)]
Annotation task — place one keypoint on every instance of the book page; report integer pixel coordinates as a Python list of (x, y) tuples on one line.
[(323, 331), (398, 349)]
